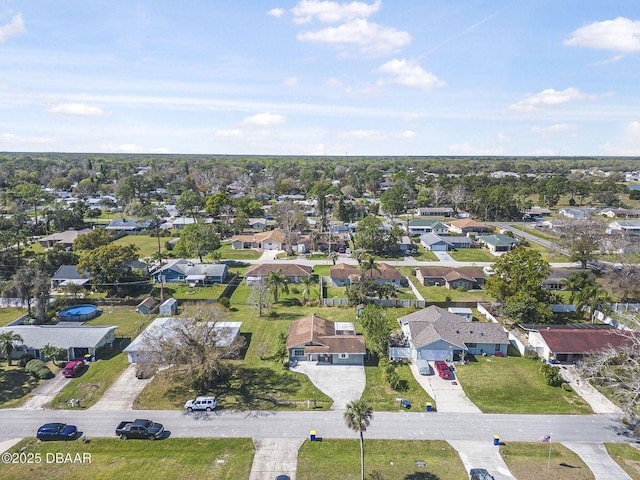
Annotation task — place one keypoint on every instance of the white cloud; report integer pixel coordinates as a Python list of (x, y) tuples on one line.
[(12, 139), (79, 109), (502, 137), (290, 82), (160, 150), (369, 38), (409, 74), (332, 12), (265, 119), (408, 134), (333, 82), (15, 27), (468, 149), (276, 12), (627, 144), (548, 98), (359, 134), (553, 129), (230, 133), (619, 35), (124, 148)]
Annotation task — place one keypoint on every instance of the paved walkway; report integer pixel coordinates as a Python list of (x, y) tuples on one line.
[(46, 392), (343, 383), (275, 456), (476, 454), (598, 402), (598, 460), (123, 392), (449, 397)]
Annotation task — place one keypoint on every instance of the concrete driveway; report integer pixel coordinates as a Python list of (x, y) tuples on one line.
[(46, 392), (448, 395), (123, 392), (598, 402), (597, 458), (275, 456), (343, 383), (482, 454), (444, 257)]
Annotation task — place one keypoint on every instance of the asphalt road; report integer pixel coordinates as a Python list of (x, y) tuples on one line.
[(330, 424)]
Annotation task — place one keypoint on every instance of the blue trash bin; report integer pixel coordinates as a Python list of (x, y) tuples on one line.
[(496, 440), (429, 407), (405, 403)]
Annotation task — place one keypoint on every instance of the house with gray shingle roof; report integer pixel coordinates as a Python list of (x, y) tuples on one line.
[(498, 242), (67, 275), (185, 271), (418, 226), (436, 334), (128, 225)]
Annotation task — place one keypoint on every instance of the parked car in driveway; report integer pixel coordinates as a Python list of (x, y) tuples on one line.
[(57, 431), (72, 368), (443, 370), (480, 474), (201, 403)]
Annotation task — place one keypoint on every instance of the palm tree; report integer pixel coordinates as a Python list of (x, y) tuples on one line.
[(578, 281), (358, 416), (369, 265), (592, 298), (278, 281), (307, 283), (49, 351), (333, 256), (8, 342)]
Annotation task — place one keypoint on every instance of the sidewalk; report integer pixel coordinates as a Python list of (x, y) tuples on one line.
[(597, 458), (275, 456)]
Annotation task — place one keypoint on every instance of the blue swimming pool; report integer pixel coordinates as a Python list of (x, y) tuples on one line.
[(78, 313)]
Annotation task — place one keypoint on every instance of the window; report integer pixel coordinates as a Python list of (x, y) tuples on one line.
[(298, 352), (471, 345), (343, 355), (497, 347)]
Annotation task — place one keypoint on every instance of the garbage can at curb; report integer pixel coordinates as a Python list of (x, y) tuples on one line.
[(496, 439), (428, 408), (312, 436)]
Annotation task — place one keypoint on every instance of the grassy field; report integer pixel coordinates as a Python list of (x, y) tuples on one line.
[(382, 397), (547, 256), (515, 385), (147, 245), (472, 255), (9, 314), (228, 253), (129, 322), (627, 457), (15, 385), (443, 294), (531, 461), (334, 459), (195, 459)]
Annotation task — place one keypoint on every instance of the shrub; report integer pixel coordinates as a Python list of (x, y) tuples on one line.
[(26, 358), (43, 373), (531, 355), (461, 288), (566, 387), (273, 313), (551, 375), (33, 365), (224, 302)]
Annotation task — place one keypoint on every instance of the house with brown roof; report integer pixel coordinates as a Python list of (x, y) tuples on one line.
[(292, 271), (343, 274), (271, 240), (436, 334), (468, 278), (570, 343), (467, 226), (66, 238), (315, 339)]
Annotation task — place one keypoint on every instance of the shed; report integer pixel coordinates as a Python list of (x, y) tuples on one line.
[(168, 307), (147, 306)]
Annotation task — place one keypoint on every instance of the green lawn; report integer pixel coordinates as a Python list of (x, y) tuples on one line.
[(531, 461), (129, 322), (147, 244), (627, 457), (382, 397), (547, 256), (229, 253), (334, 459), (515, 385), (15, 385), (443, 294), (182, 291), (92, 383), (472, 255), (9, 314), (111, 458)]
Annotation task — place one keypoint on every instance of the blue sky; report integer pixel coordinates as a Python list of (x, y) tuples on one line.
[(308, 77)]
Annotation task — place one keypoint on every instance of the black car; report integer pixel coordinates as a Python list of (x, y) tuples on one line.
[(480, 474), (57, 431)]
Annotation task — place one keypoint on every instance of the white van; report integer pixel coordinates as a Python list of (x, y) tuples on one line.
[(201, 403)]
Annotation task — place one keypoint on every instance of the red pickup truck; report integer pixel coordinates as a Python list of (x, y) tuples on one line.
[(443, 370)]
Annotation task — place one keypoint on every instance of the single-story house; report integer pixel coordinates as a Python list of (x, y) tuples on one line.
[(126, 225), (316, 339), (66, 238), (147, 306), (418, 226), (435, 211), (406, 245), (292, 271), (168, 307), (469, 278), (458, 241), (558, 277), (257, 224), (435, 243), (570, 343), (620, 212), (436, 334), (166, 327), (67, 275), (631, 227), (76, 340), (575, 213), (468, 226), (498, 242), (182, 270), (343, 274), (180, 222), (271, 240)]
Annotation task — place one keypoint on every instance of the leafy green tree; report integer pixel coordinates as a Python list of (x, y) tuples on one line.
[(394, 200), (358, 416), (49, 351), (377, 329), (214, 203), (30, 284), (98, 237), (593, 298), (370, 234), (197, 239), (188, 201), (108, 265), (578, 281), (278, 283), (251, 207), (8, 341)]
